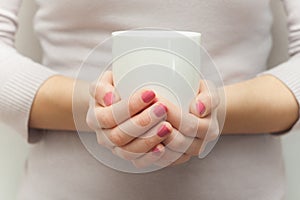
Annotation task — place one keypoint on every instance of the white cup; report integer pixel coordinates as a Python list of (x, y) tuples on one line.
[(166, 61)]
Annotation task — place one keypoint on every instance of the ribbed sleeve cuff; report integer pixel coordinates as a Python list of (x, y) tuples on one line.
[(17, 96), (289, 74)]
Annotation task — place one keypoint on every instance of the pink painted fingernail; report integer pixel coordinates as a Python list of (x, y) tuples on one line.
[(160, 110), (148, 95), (200, 107), (108, 98), (156, 151), (163, 131)]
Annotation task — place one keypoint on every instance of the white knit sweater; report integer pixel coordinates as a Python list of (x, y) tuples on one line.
[(236, 34)]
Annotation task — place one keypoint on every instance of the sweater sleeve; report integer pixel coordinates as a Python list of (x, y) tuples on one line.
[(20, 77), (289, 72)]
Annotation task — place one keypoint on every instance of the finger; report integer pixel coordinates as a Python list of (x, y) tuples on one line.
[(103, 140), (138, 125), (187, 123), (106, 77), (213, 131), (109, 117), (149, 158), (192, 126), (103, 90), (91, 119), (145, 143), (183, 144), (135, 104), (206, 100), (201, 105)]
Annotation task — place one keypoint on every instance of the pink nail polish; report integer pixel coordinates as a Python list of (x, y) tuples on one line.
[(160, 110), (200, 107), (156, 151), (163, 131), (108, 98), (147, 96)]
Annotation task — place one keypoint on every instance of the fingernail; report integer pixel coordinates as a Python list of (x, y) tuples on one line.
[(108, 98), (163, 131), (160, 110), (200, 107), (148, 95), (156, 151)]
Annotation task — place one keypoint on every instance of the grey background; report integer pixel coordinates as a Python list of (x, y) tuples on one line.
[(13, 149)]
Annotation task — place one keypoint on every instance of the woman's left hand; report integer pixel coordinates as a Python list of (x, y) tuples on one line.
[(191, 131)]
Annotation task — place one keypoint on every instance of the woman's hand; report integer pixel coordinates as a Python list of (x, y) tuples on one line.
[(191, 131), (120, 124), (130, 135)]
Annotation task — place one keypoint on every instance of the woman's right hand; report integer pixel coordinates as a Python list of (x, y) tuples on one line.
[(121, 125)]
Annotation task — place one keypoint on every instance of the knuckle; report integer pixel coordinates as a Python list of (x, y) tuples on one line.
[(207, 98), (105, 119), (116, 139), (177, 143), (106, 139), (133, 104), (205, 95), (100, 86), (149, 142), (101, 139), (190, 129), (143, 120)]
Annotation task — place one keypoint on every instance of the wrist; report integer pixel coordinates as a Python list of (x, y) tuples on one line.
[(52, 106), (260, 105)]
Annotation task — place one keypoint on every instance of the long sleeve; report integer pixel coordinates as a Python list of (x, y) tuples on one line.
[(20, 77), (289, 72)]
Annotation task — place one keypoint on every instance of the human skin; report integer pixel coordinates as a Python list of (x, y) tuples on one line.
[(260, 105), (131, 134), (252, 107)]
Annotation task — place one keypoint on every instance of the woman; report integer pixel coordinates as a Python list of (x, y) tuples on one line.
[(36, 99)]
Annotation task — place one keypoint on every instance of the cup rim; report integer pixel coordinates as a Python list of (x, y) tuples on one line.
[(155, 33)]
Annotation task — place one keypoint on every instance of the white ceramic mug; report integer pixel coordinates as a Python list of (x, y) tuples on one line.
[(166, 61)]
